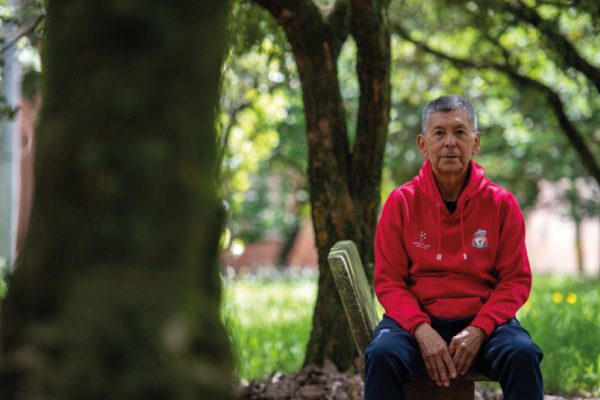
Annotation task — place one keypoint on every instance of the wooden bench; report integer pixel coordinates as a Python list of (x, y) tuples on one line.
[(356, 295)]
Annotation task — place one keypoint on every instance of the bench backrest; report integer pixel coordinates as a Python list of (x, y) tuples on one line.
[(355, 292)]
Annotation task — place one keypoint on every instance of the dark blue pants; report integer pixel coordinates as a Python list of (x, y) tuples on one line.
[(509, 357)]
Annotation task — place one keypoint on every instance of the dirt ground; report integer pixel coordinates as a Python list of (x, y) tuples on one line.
[(327, 383)]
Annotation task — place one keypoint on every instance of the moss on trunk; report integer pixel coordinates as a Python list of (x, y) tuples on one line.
[(118, 293)]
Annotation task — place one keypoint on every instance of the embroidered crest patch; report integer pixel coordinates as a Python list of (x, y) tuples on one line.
[(480, 239)]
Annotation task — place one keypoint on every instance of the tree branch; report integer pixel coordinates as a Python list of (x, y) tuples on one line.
[(233, 112), (26, 32), (370, 31), (339, 20), (569, 56), (554, 101), (312, 40), (289, 12)]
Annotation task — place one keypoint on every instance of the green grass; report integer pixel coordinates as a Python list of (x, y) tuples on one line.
[(563, 318), (269, 323)]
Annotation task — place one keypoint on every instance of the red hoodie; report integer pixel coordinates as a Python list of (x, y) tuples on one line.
[(474, 261)]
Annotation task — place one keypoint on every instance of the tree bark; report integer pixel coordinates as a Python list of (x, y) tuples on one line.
[(118, 294), (344, 183)]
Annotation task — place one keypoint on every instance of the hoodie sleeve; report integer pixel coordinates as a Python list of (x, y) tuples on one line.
[(391, 267), (512, 269)]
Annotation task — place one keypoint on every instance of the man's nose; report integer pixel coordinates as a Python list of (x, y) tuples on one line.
[(449, 142)]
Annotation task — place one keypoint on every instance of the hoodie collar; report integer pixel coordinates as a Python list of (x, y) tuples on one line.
[(425, 181)]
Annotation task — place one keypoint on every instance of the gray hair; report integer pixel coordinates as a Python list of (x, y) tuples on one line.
[(448, 103)]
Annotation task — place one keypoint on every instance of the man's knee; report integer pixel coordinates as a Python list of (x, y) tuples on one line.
[(385, 359), (388, 353), (522, 351), (379, 353)]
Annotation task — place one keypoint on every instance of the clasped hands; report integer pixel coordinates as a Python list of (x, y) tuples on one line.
[(444, 362)]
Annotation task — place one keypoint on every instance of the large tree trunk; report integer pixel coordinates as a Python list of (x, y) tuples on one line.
[(118, 293), (344, 182)]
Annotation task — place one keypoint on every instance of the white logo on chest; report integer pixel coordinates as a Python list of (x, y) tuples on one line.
[(421, 243)]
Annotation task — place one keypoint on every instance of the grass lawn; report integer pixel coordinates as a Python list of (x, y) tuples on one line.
[(269, 322)]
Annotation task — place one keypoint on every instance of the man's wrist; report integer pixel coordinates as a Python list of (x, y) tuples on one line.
[(420, 327), (480, 331)]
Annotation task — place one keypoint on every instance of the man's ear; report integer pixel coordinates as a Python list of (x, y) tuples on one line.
[(477, 146), (421, 145)]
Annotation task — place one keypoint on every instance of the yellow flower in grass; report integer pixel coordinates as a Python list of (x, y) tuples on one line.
[(527, 306), (571, 298), (557, 297)]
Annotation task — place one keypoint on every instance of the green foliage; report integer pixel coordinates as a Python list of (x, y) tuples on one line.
[(263, 135), (250, 24), (487, 33), (522, 141), (269, 322), (6, 110), (28, 18)]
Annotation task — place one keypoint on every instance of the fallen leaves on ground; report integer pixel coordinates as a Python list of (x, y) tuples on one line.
[(327, 383)]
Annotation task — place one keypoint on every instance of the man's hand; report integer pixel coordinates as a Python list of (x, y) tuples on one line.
[(465, 346), (435, 354)]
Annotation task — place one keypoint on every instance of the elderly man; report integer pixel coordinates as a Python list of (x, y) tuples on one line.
[(451, 271)]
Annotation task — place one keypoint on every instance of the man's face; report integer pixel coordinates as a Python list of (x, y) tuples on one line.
[(449, 142)]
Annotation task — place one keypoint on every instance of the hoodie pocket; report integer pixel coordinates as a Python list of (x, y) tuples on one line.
[(450, 298)]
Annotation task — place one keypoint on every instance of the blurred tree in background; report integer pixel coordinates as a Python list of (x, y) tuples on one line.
[(118, 293)]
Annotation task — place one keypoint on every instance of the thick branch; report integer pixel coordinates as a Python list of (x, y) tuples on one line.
[(339, 19), (26, 32), (313, 44), (225, 136), (370, 31), (568, 128), (562, 47), (290, 12)]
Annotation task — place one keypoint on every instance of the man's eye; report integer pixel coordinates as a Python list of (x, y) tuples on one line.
[(437, 132), (460, 132)]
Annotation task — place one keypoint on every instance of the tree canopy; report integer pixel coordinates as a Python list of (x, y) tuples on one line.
[(530, 68)]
